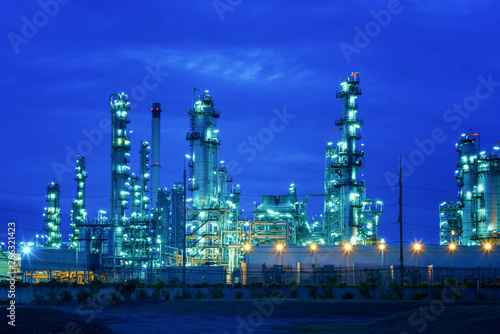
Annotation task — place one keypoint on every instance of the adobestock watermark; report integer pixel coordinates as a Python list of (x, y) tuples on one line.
[(94, 137), (256, 143), (372, 29), (425, 315), (264, 309), (31, 26), (223, 6), (454, 117)]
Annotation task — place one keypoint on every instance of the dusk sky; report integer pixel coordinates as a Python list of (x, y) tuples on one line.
[(429, 72)]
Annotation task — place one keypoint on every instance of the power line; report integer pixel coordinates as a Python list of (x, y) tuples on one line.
[(431, 189)]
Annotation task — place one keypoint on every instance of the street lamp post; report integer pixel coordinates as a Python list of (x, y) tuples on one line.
[(417, 247), (487, 248), (382, 248), (453, 247), (280, 251), (184, 257), (347, 248)]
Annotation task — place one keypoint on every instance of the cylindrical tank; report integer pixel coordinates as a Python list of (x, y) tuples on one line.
[(268, 200), (491, 199), (109, 244), (84, 240)]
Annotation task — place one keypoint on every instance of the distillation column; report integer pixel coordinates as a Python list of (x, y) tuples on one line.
[(120, 146), (466, 176), (350, 189), (144, 169), (205, 152), (78, 214), (52, 215), (155, 164)]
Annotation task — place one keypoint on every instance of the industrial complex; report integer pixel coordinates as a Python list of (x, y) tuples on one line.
[(153, 229)]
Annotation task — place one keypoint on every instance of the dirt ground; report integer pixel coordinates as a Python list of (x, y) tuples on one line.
[(262, 316)]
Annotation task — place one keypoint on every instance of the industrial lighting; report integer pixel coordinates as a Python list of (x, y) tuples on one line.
[(246, 247), (381, 247), (453, 247), (417, 246), (279, 247), (188, 156), (313, 247), (26, 250), (487, 246), (347, 247)]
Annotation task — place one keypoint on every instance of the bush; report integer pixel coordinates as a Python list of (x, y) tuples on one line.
[(418, 295), (141, 294), (126, 289), (238, 294), (52, 295), (313, 291), (342, 285), (205, 285), (364, 290), (187, 294), (65, 295), (396, 290), (159, 284), (95, 285), (294, 293), (39, 298), (166, 294), (424, 285), (200, 295), (216, 291), (83, 295), (328, 291), (256, 285), (471, 284), (156, 294), (174, 282), (177, 296), (438, 285), (348, 295), (115, 299), (256, 292), (237, 285), (274, 285)]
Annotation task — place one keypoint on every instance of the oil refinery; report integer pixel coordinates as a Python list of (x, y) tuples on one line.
[(198, 222)]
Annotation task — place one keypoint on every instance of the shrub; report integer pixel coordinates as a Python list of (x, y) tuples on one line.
[(294, 293), (364, 290), (200, 295), (274, 285), (115, 299), (237, 285), (313, 291), (187, 294), (156, 294), (166, 294), (159, 284), (328, 291), (39, 298), (256, 285), (418, 295), (471, 284), (174, 282), (177, 296), (141, 294), (256, 292), (342, 285), (438, 285), (126, 289), (348, 295), (95, 285), (65, 295), (424, 285), (396, 290), (52, 295), (216, 291), (205, 285), (83, 295), (238, 294)]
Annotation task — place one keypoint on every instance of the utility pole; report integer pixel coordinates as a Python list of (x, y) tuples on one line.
[(184, 235), (400, 220)]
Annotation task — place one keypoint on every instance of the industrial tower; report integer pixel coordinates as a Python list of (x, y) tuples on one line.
[(349, 217), (52, 215), (120, 146), (78, 213), (475, 218)]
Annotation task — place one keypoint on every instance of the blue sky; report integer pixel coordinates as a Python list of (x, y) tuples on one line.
[(61, 60)]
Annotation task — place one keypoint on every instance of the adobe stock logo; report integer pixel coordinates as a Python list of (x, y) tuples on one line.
[(30, 28)]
